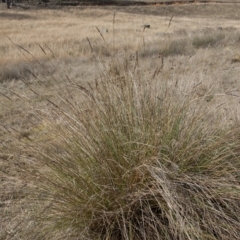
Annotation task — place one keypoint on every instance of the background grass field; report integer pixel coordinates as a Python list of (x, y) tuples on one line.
[(109, 130)]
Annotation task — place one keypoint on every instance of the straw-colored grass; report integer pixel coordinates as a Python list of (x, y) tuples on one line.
[(106, 136), (132, 158), (207, 40)]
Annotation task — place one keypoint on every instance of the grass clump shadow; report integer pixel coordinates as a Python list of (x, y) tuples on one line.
[(133, 158)]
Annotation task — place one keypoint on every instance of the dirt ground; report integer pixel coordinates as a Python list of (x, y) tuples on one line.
[(38, 46)]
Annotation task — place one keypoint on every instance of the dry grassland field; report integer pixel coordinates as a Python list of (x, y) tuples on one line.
[(120, 122)]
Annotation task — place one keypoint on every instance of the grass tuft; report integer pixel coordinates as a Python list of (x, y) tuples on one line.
[(176, 47), (133, 158), (207, 40), (10, 71)]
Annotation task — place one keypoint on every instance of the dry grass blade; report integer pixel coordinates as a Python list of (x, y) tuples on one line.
[(90, 45), (101, 34), (170, 21), (114, 45), (42, 49)]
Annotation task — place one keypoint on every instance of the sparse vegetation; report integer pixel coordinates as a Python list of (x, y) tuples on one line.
[(122, 137)]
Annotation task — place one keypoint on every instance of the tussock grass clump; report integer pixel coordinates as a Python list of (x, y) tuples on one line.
[(25, 69), (207, 40), (176, 47), (168, 48), (14, 72), (133, 158)]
